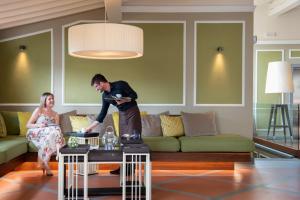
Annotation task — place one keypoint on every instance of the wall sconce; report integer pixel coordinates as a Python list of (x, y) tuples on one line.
[(220, 49), (22, 47)]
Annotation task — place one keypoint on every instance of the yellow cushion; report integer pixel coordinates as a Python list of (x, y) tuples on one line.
[(171, 125), (23, 119), (79, 122), (115, 116), (3, 131)]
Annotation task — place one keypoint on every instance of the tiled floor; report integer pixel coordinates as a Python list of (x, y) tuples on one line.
[(267, 179)]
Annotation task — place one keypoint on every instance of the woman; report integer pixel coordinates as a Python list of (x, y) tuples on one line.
[(44, 131)]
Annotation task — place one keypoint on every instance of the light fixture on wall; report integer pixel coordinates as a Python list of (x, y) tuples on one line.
[(279, 80), (22, 47), (220, 49), (105, 41)]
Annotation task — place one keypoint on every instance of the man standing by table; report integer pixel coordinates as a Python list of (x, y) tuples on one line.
[(129, 113)]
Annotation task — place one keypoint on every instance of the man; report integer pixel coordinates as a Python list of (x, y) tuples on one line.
[(129, 113)]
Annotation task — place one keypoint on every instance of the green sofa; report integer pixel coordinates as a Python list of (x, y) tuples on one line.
[(201, 148)]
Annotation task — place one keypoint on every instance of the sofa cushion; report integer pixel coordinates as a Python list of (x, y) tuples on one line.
[(171, 125), (216, 143), (12, 147), (64, 121), (197, 124), (31, 147), (108, 121), (166, 144), (79, 122), (3, 131), (23, 119), (11, 122)]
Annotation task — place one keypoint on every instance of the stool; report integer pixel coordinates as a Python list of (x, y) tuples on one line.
[(284, 115)]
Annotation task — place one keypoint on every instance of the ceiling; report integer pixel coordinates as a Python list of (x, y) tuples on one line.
[(19, 12), (278, 7)]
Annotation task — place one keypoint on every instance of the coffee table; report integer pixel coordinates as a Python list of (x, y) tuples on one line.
[(135, 182)]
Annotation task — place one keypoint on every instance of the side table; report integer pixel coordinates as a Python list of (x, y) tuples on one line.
[(87, 138), (68, 185)]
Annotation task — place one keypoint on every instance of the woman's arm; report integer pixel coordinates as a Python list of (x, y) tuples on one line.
[(56, 118), (32, 121)]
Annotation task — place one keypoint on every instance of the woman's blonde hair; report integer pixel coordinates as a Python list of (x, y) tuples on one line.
[(43, 99)]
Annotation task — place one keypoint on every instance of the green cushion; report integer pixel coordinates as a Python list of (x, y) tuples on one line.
[(12, 147), (217, 143), (31, 147), (2, 157), (11, 122), (160, 143)]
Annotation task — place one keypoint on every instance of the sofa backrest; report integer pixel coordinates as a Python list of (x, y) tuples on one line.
[(11, 122)]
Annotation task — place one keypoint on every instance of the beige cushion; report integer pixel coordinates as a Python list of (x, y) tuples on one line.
[(171, 125), (108, 121), (197, 124), (64, 121), (3, 131), (151, 125)]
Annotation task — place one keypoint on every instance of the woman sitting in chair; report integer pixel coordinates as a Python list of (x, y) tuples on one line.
[(44, 131)]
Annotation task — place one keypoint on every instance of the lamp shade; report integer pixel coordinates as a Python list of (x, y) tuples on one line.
[(105, 41), (279, 78)]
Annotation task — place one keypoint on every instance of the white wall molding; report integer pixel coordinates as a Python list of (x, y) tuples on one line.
[(126, 21), (187, 9), (290, 53), (51, 63), (195, 66), (278, 42)]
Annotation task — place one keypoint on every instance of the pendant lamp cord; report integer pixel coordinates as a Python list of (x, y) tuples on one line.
[(105, 13)]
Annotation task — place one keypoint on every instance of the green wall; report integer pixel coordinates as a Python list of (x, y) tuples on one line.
[(25, 75), (219, 74), (264, 100), (263, 58), (295, 53), (157, 77)]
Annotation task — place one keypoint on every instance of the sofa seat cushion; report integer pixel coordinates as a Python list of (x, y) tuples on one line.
[(216, 143), (160, 143), (12, 147), (32, 147)]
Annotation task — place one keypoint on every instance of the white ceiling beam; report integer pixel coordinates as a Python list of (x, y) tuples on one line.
[(45, 5), (49, 16), (48, 11), (279, 7)]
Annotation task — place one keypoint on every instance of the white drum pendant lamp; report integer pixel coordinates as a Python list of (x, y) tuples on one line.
[(105, 41)]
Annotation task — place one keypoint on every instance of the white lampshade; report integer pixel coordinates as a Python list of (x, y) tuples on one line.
[(105, 41), (279, 78)]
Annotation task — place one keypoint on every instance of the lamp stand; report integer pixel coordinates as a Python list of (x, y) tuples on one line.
[(284, 115)]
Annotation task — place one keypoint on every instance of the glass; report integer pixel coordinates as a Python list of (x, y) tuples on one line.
[(109, 139)]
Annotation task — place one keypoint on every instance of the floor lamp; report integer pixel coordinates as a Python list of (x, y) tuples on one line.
[(279, 80)]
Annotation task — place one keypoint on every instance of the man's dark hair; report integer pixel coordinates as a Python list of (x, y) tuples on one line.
[(97, 79)]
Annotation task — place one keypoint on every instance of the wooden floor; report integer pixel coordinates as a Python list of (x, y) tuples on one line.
[(266, 179)]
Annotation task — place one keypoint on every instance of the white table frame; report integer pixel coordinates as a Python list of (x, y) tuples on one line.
[(133, 159), (72, 180)]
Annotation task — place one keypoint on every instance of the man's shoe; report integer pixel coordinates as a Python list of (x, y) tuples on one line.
[(115, 172)]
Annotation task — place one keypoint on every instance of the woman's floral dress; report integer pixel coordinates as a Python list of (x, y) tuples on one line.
[(46, 139)]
